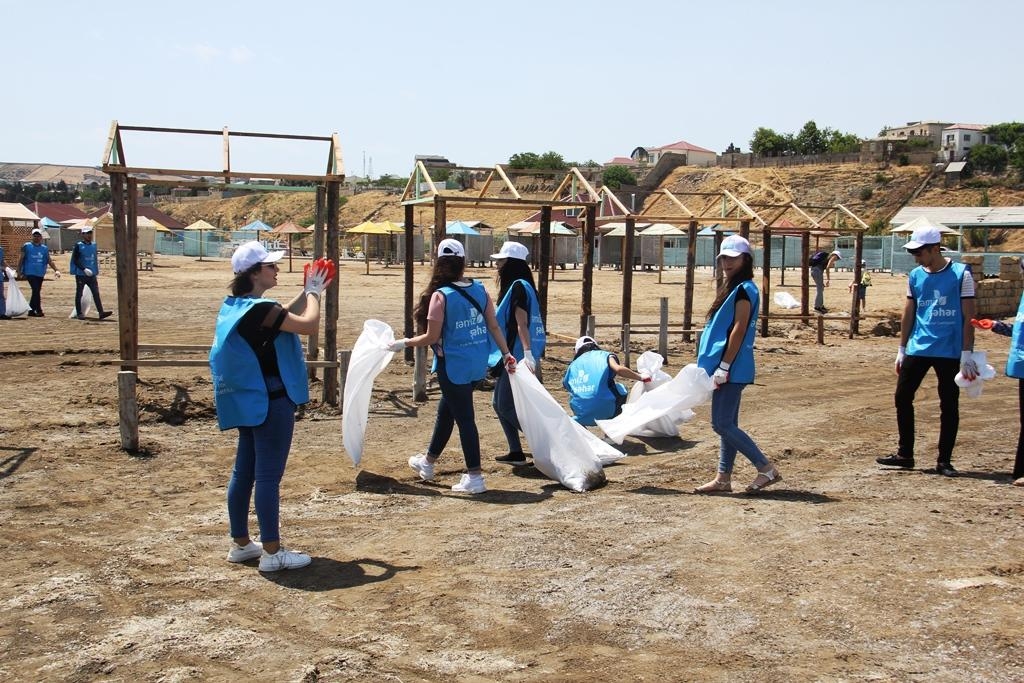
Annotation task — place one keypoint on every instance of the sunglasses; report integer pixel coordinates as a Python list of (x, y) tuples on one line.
[(919, 250), (270, 265)]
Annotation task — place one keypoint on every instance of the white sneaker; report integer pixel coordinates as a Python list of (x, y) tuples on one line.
[(242, 553), (283, 559), (470, 483), (423, 467)]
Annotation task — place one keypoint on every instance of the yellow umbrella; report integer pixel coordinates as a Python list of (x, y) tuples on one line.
[(368, 228), (289, 228), (200, 225)]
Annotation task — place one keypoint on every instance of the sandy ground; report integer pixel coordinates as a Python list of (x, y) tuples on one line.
[(116, 568)]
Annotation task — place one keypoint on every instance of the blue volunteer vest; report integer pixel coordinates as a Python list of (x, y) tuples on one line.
[(715, 337), (37, 258), (464, 336), (508, 326), (1015, 362), (593, 393), (239, 391), (939, 321), (87, 257)]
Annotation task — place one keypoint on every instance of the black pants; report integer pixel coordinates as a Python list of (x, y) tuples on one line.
[(911, 374), (1018, 465), (35, 300), (81, 282)]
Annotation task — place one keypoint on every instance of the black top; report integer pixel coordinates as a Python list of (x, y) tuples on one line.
[(261, 339)]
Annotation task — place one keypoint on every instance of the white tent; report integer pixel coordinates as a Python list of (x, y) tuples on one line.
[(922, 222)]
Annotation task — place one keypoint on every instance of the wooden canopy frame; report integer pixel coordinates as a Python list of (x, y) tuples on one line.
[(124, 181)]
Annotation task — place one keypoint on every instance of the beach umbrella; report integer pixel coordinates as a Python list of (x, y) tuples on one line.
[(201, 226), (368, 228), (661, 230), (257, 225), (289, 228), (459, 228)]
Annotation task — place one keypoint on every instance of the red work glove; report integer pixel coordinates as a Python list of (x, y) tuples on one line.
[(982, 323), (510, 364)]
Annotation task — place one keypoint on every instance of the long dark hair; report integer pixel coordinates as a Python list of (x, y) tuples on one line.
[(513, 269), (746, 272), (447, 269), (241, 284)]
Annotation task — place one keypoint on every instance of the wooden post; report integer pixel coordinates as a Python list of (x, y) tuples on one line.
[(805, 272), (313, 346), (128, 410), (591, 325), (586, 303), (766, 280), (782, 269), (691, 264), (821, 328), (718, 271), (625, 344), (745, 229), (419, 375), (858, 273), (409, 240), (663, 329), (440, 225), (627, 271), (330, 299), (545, 260), (344, 358)]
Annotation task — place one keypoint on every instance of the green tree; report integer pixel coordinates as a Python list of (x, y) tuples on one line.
[(810, 140), (616, 176), (991, 158), (523, 160), (551, 160), (841, 143), (767, 143), (1015, 157), (1006, 133)]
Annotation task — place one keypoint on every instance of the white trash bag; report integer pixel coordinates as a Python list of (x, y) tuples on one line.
[(688, 389), (785, 300), (369, 357), (86, 303), (562, 448), (974, 386), (16, 302), (667, 425)]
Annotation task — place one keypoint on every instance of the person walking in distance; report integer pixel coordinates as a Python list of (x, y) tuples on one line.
[(935, 333), (861, 287), (519, 319), (35, 257), (457, 316), (726, 353), (821, 272), (259, 377), (85, 267)]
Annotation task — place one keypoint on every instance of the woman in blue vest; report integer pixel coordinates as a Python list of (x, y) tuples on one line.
[(726, 353), (259, 376), (590, 380), (35, 257), (520, 322), (85, 267), (458, 316)]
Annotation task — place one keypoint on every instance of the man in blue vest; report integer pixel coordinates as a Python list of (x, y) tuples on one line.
[(35, 257), (85, 266), (936, 332)]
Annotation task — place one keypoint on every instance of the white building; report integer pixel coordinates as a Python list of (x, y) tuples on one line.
[(958, 139)]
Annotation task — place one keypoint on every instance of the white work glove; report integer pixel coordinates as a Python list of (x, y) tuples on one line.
[(317, 282), (510, 364), (721, 375), (530, 362), (900, 355), (968, 368), (645, 376), (88, 272), (56, 274), (397, 345)]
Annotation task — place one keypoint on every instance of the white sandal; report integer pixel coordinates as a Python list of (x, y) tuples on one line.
[(771, 477)]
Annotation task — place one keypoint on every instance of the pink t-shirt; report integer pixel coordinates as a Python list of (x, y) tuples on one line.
[(435, 311)]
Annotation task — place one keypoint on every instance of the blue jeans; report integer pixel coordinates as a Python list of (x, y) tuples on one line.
[(725, 415), (505, 408), (259, 462), (455, 407)]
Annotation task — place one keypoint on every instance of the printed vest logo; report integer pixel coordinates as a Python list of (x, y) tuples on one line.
[(937, 306), (580, 382), (475, 323)]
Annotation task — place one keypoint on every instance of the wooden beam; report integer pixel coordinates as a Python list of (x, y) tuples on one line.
[(226, 151), (543, 273), (237, 134), (409, 301), (134, 170), (627, 272), (508, 183), (587, 296), (331, 298)]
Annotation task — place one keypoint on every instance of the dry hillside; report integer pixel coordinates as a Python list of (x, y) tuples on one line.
[(823, 185)]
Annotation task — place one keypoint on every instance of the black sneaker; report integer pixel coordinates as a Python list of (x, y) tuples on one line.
[(946, 470), (33, 314), (896, 461), (514, 458), (106, 314)]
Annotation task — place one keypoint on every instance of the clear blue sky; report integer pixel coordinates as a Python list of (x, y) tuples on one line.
[(478, 82)]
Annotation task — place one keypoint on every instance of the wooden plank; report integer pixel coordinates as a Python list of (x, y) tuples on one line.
[(191, 363), (408, 293), (331, 298), (109, 168), (128, 410), (587, 295), (108, 149), (426, 175), (508, 183), (627, 272), (545, 261), (691, 264), (237, 134), (338, 168)]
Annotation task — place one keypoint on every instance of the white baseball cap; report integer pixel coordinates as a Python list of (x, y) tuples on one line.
[(922, 237), (838, 255), (584, 340), (249, 254), (37, 231), (85, 229), (734, 245), (512, 250), (450, 247)]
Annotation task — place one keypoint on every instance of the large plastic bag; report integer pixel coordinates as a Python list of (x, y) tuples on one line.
[(973, 387), (16, 302), (369, 357), (667, 425), (86, 303), (785, 300), (562, 448), (688, 389)]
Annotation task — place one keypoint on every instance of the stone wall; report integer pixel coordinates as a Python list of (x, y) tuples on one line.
[(996, 297)]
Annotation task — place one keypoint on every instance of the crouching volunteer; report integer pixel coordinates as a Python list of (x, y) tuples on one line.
[(726, 353), (458, 315), (523, 328), (590, 380), (259, 376)]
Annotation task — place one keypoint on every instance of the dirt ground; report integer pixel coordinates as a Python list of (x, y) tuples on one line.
[(116, 568)]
